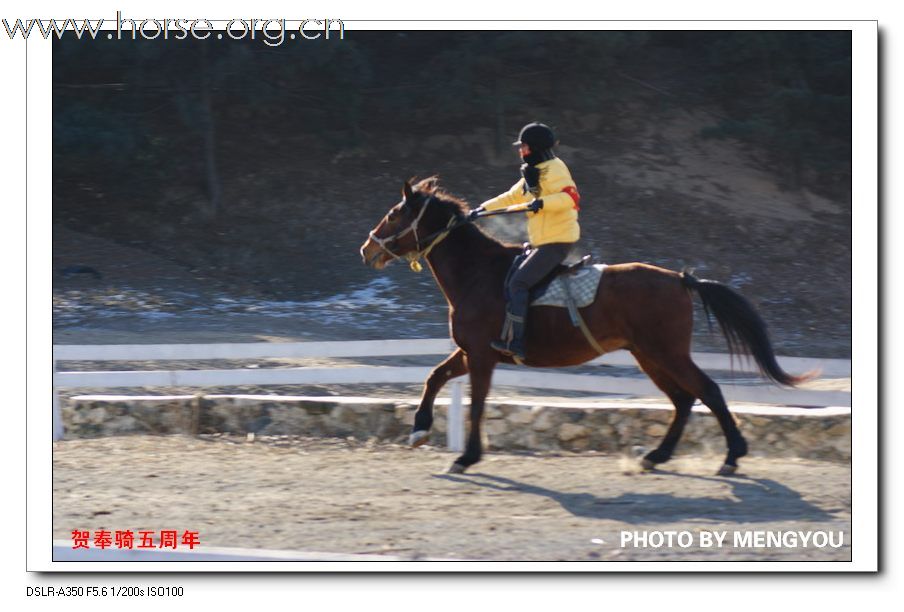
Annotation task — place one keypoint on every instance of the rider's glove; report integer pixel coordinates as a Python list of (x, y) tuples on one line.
[(535, 205)]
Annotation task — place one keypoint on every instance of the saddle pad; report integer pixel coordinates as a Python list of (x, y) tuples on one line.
[(582, 286)]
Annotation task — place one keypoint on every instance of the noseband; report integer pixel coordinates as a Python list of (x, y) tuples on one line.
[(414, 256)]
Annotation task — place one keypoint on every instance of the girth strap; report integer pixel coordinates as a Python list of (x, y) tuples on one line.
[(577, 320)]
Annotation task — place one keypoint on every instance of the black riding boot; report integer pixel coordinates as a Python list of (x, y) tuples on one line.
[(511, 341)]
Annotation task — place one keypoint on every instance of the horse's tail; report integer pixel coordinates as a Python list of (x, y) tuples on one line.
[(742, 327)]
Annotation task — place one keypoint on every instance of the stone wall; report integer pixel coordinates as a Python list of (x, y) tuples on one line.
[(615, 427)]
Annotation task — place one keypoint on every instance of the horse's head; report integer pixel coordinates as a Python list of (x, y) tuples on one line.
[(411, 227)]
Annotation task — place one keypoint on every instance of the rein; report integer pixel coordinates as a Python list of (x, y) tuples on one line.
[(414, 258), (433, 239)]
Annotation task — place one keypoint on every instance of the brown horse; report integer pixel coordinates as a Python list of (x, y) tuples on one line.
[(642, 308)]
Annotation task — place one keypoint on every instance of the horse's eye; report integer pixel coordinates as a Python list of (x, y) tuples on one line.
[(397, 211)]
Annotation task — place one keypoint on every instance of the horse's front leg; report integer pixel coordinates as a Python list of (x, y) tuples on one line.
[(481, 370), (453, 366)]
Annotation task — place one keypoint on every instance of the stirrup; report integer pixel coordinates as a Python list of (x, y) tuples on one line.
[(502, 347), (503, 344), (517, 353)]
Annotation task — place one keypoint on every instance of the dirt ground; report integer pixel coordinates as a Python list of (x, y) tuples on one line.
[(343, 496)]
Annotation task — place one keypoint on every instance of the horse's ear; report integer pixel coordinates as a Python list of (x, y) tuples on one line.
[(407, 191), (430, 184)]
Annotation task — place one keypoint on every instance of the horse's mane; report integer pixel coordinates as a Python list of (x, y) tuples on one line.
[(456, 206), (430, 187)]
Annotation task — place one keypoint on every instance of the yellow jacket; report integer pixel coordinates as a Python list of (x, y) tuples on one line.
[(557, 221)]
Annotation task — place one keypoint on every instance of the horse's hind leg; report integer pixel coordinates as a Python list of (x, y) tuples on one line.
[(694, 381), (683, 402), (453, 366)]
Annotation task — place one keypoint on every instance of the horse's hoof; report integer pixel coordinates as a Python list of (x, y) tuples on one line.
[(456, 468), (727, 470), (647, 464), (418, 438)]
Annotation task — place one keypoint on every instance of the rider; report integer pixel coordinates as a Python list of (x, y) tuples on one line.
[(552, 225)]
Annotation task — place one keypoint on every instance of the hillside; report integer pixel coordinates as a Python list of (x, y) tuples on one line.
[(703, 205), (664, 178)]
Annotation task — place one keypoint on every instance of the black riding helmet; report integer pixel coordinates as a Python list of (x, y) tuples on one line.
[(537, 136)]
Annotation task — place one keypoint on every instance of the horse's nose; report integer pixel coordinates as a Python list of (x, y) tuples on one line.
[(363, 251)]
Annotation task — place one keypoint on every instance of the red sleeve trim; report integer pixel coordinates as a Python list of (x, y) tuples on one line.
[(573, 192)]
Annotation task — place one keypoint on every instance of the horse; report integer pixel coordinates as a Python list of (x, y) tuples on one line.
[(638, 307)]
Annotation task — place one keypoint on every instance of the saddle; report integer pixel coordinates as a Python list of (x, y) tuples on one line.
[(561, 270), (570, 286), (538, 290)]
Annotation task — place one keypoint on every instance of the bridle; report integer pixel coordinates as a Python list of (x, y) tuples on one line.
[(433, 239)]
